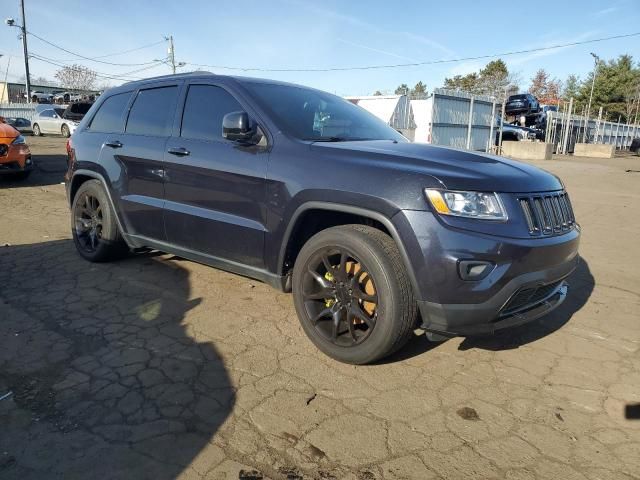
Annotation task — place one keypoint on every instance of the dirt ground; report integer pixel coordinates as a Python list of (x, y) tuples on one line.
[(156, 367)]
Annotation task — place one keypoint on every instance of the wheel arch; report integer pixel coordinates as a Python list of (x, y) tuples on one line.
[(81, 176), (295, 234)]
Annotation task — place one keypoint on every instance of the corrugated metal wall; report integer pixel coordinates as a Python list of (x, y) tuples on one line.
[(23, 110), (450, 125), (602, 132)]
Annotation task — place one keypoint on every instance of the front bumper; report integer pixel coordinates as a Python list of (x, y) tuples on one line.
[(527, 279), (15, 165)]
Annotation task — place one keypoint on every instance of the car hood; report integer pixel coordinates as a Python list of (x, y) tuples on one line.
[(453, 168), (7, 133)]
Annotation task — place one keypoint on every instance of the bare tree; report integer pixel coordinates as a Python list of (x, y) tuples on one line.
[(76, 77)]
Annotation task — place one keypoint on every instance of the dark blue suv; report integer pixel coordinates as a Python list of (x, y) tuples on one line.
[(301, 189)]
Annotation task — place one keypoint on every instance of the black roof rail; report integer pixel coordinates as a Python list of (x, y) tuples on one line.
[(171, 75)]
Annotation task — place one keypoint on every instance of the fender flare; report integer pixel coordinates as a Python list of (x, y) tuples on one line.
[(102, 180), (363, 212)]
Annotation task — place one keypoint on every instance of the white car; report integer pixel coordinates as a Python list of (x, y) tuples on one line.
[(52, 121), (40, 97), (67, 97)]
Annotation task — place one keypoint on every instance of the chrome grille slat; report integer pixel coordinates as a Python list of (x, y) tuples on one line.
[(547, 214)]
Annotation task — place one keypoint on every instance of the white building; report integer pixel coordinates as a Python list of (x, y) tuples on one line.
[(393, 109), (422, 116)]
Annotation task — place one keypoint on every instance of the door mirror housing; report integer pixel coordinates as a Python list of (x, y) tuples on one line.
[(237, 127)]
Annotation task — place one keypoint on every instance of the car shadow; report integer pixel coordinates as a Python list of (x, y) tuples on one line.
[(47, 170), (581, 284), (98, 375)]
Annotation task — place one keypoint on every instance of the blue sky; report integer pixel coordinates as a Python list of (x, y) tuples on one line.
[(305, 34)]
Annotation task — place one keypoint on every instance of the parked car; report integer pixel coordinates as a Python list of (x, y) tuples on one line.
[(514, 132), (67, 97), (522, 104), (39, 97), (53, 121), (76, 111), (548, 108), (312, 194), (23, 125), (15, 156)]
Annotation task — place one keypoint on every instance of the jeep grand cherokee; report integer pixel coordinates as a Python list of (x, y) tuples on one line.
[(312, 194)]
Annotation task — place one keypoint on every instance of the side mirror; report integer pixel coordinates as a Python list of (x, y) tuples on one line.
[(237, 127)]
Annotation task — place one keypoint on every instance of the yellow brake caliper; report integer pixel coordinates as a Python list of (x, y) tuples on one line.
[(328, 302)]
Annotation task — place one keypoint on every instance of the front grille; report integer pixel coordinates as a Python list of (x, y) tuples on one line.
[(529, 297), (548, 214)]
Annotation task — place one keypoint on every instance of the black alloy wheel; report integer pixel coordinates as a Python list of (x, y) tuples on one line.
[(340, 297), (88, 222)]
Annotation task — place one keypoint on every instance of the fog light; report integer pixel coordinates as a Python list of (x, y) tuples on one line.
[(474, 269)]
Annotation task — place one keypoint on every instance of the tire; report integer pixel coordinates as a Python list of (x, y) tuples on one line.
[(36, 130), (374, 256), (94, 226), (65, 131)]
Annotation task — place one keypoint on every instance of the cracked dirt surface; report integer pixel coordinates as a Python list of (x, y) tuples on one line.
[(157, 367)]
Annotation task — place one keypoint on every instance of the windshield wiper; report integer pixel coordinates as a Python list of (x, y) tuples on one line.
[(327, 139), (337, 139)]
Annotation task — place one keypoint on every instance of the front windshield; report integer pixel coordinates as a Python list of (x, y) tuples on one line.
[(309, 114), (59, 111)]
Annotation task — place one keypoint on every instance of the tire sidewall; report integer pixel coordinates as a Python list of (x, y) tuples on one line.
[(66, 133), (109, 234), (36, 130), (382, 273)]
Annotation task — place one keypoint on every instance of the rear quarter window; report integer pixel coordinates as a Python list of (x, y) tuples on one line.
[(108, 118)]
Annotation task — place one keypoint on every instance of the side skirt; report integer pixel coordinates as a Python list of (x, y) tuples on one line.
[(278, 282)]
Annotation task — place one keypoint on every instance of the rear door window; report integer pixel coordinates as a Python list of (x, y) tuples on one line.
[(204, 109), (108, 118), (152, 111)]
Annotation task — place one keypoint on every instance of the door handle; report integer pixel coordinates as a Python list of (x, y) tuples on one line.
[(113, 144), (179, 151)]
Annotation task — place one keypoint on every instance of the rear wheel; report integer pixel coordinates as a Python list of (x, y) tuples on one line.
[(352, 294), (65, 131), (94, 226), (36, 130)]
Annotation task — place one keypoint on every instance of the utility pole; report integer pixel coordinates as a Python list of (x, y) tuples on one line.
[(26, 52), (6, 87), (172, 56), (593, 82), (23, 31)]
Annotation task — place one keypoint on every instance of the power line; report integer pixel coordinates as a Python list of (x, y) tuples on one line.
[(88, 58), (115, 54), (415, 64), (122, 77), (131, 50)]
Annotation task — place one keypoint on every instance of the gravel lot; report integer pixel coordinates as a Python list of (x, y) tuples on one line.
[(157, 367)]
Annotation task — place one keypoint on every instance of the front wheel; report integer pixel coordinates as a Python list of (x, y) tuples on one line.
[(94, 226), (36, 130), (65, 131), (352, 294)]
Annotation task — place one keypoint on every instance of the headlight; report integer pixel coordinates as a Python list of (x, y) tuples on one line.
[(486, 206), (19, 140)]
